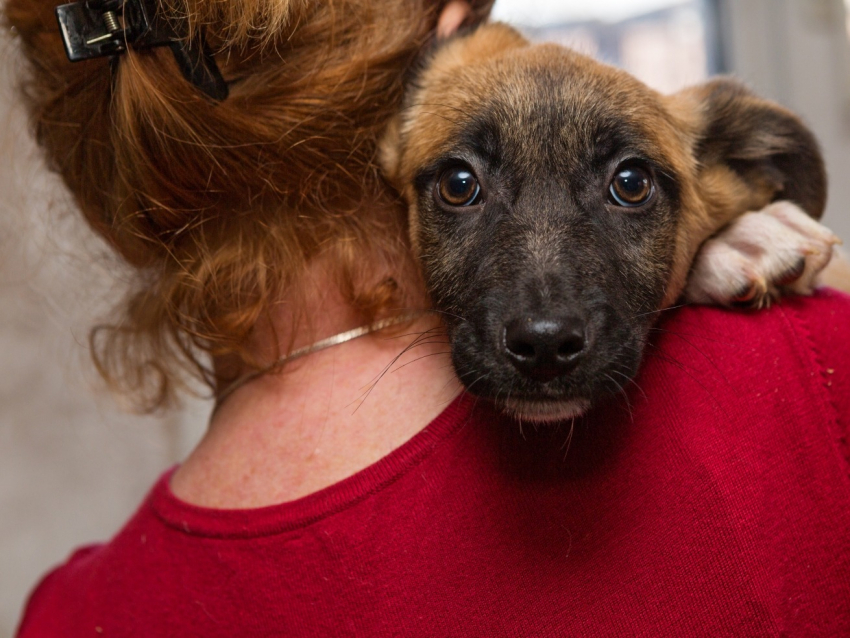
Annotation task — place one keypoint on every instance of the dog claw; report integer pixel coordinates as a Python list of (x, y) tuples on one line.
[(759, 257)]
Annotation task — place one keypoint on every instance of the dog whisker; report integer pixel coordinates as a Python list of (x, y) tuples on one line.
[(621, 390), (683, 368), (685, 334), (424, 356), (510, 390), (702, 332), (472, 385), (708, 359), (568, 442), (371, 386), (632, 381), (659, 311), (448, 314), (430, 311), (447, 384)]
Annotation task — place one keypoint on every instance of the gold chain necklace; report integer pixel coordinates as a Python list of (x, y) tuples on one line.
[(335, 340)]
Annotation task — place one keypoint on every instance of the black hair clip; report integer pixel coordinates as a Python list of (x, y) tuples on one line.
[(105, 28)]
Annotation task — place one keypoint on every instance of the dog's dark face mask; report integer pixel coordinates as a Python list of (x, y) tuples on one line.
[(547, 235), (556, 204)]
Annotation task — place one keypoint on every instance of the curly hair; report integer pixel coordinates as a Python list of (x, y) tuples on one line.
[(220, 207)]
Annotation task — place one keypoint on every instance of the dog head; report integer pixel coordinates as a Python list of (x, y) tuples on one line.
[(556, 205)]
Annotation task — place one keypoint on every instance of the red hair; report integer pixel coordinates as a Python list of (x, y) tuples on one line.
[(219, 207)]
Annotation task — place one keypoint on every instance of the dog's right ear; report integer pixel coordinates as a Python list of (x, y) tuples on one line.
[(438, 68), (751, 152)]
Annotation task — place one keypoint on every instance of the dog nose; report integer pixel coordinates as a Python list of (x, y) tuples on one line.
[(545, 348)]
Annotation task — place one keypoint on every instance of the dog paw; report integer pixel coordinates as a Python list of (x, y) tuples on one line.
[(760, 256)]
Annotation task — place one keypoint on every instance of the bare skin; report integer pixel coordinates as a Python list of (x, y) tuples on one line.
[(323, 418), (453, 16), (287, 435), (284, 436)]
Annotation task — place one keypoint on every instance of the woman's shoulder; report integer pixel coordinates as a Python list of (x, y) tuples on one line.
[(72, 598), (813, 331), (825, 315), (789, 363), (822, 325), (798, 336), (42, 615), (734, 436)]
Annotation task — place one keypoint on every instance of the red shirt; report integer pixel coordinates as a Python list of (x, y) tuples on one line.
[(711, 500)]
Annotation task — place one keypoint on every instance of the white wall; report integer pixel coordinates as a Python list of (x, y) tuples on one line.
[(73, 467), (797, 52), (793, 51)]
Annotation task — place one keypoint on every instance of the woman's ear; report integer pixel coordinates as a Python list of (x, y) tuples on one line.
[(751, 151), (389, 151), (453, 15)]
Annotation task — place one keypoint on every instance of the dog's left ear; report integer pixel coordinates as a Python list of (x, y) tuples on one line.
[(751, 152)]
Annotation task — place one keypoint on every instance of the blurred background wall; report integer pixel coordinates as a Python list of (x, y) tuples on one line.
[(796, 52), (793, 51), (73, 466)]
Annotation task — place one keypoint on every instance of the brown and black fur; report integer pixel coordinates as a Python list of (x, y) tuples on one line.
[(543, 129)]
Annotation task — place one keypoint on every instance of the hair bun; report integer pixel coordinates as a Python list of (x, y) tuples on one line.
[(220, 206)]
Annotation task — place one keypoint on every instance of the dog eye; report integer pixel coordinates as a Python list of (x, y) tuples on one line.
[(631, 186), (459, 187)]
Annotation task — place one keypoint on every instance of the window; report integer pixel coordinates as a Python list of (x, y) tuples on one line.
[(662, 42), (796, 52)]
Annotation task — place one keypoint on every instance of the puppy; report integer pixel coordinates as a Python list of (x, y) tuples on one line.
[(557, 205)]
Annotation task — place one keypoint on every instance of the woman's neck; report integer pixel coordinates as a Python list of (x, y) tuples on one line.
[(321, 419)]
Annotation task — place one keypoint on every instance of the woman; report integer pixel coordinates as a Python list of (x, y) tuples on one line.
[(711, 500)]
